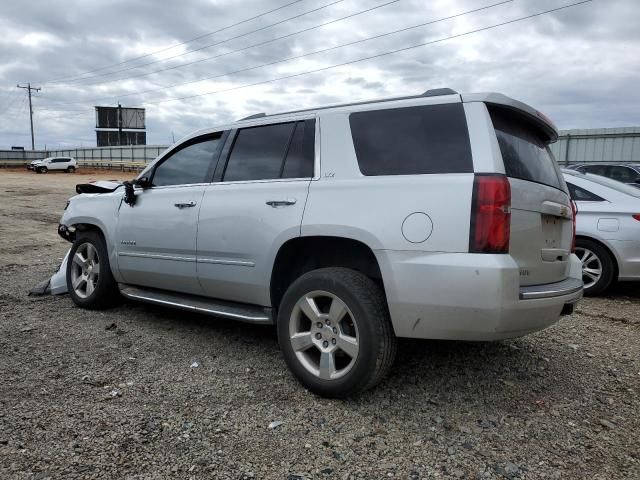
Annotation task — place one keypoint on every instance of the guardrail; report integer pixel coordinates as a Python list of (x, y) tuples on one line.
[(98, 164), (132, 157)]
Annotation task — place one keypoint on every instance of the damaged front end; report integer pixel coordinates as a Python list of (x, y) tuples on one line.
[(57, 283)]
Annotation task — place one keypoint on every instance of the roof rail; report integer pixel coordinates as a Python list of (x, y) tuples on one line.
[(436, 92), (255, 115)]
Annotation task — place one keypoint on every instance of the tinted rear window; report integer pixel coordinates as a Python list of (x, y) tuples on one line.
[(412, 140), (525, 152)]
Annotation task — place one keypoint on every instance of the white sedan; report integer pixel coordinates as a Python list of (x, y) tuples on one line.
[(607, 229)]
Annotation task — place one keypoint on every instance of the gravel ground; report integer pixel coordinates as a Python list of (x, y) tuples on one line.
[(143, 392)]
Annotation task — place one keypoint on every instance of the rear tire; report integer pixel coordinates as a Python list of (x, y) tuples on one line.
[(89, 279), (71, 169), (335, 332), (598, 267)]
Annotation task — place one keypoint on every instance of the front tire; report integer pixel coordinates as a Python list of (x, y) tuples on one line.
[(89, 279), (335, 332), (598, 268), (43, 170)]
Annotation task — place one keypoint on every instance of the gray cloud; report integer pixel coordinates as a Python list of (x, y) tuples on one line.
[(578, 65)]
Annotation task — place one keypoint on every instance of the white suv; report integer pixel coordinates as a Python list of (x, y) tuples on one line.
[(438, 216), (65, 164)]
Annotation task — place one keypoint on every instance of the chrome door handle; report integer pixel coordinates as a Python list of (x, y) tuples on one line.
[(280, 203), (185, 205)]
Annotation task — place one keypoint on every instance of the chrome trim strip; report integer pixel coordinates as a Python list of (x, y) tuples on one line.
[(194, 308), (566, 287), (221, 261), (156, 256)]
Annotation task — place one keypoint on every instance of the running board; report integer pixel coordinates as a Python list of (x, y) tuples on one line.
[(194, 303)]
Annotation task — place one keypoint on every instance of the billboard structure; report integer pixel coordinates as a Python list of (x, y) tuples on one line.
[(118, 126)]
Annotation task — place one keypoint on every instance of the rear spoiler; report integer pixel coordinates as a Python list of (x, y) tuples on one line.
[(539, 118)]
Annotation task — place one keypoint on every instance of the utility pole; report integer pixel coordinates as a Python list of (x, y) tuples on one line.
[(28, 88)]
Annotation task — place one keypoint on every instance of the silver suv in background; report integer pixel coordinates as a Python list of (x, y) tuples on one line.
[(62, 164), (439, 216), (628, 173)]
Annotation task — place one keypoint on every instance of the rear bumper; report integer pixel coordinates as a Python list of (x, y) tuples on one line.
[(566, 287), (461, 296)]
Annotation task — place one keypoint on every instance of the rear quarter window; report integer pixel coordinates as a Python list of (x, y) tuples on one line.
[(581, 195), (525, 152), (412, 140)]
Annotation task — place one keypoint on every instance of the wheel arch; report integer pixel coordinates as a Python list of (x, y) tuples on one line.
[(301, 254)]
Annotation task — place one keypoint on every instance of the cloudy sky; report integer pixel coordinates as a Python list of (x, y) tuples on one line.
[(579, 65)]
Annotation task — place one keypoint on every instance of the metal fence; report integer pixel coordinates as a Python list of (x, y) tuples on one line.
[(129, 157), (598, 145)]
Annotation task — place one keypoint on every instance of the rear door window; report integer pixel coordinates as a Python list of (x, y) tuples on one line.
[(622, 174), (268, 152), (412, 140), (596, 170), (525, 151)]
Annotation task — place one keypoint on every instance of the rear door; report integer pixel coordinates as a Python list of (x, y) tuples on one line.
[(255, 207), (541, 215)]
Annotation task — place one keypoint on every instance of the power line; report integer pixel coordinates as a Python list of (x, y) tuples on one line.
[(324, 50), (177, 44), (225, 54), (390, 52), (200, 48), (13, 96), (259, 44), (362, 59)]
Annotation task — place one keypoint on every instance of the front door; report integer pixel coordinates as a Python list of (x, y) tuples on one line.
[(156, 237), (255, 208)]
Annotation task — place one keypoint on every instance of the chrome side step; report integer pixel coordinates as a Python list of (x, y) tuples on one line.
[(194, 303)]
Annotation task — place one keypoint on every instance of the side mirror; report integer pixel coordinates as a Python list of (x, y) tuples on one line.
[(143, 182)]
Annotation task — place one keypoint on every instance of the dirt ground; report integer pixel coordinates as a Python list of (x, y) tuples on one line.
[(117, 394)]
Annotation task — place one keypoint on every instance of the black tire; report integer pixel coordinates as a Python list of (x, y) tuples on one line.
[(71, 169), (376, 341), (606, 262), (105, 293), (44, 170)]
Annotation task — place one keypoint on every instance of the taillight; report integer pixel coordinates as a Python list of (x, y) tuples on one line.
[(490, 214), (637, 216), (574, 210)]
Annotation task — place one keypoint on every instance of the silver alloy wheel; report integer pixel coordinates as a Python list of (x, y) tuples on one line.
[(85, 270), (324, 335), (591, 266)]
